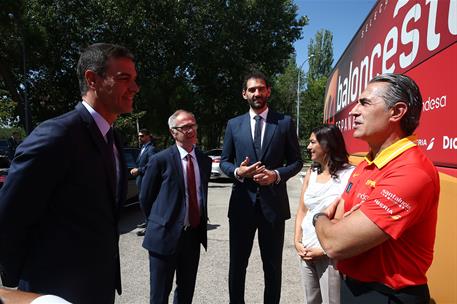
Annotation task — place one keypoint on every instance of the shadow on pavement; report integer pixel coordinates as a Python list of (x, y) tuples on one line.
[(211, 226), (130, 217), (222, 180)]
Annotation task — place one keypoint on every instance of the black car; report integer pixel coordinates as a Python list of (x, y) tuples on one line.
[(130, 156), (215, 155)]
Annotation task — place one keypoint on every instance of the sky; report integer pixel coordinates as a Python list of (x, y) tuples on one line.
[(342, 17)]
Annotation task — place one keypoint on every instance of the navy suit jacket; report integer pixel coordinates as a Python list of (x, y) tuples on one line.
[(163, 196), (280, 151), (142, 161), (59, 213)]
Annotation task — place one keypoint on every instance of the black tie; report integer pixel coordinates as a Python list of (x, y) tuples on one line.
[(258, 136), (112, 159)]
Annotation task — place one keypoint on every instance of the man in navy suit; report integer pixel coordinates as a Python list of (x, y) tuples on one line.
[(146, 152), (261, 153), (174, 196), (59, 208)]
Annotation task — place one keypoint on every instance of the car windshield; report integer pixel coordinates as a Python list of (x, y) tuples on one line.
[(3, 146), (130, 156)]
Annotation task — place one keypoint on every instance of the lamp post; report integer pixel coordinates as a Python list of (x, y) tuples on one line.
[(24, 84), (298, 91)]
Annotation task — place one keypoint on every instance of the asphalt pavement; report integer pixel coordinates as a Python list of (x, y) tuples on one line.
[(212, 286)]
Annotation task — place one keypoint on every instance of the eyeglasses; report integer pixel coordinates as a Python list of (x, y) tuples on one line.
[(186, 128)]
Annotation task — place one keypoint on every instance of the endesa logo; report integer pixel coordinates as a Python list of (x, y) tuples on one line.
[(449, 143), (434, 103)]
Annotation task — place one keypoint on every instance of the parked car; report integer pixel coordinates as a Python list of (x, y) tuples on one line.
[(4, 167), (215, 155), (3, 147), (130, 156)]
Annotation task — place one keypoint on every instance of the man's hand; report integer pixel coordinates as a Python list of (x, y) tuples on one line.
[(134, 171), (354, 208), (266, 177), (244, 170)]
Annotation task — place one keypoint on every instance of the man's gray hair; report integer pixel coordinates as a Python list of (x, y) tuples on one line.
[(172, 118), (402, 88)]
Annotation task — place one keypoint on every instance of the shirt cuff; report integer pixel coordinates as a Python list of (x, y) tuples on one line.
[(239, 178), (49, 299), (278, 177)]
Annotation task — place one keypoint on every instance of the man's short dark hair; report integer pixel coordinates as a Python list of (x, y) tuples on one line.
[(402, 88), (255, 74), (145, 132), (94, 58)]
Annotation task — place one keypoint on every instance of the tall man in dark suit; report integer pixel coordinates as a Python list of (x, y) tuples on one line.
[(261, 153), (174, 197), (146, 152), (59, 208)]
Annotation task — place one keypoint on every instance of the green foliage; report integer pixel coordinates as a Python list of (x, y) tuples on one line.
[(312, 107), (190, 54), (7, 132), (322, 49), (312, 99), (7, 107), (284, 89)]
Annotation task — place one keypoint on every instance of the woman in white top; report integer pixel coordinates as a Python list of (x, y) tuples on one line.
[(324, 182)]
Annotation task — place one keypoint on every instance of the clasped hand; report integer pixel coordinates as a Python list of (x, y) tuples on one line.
[(257, 172), (308, 253)]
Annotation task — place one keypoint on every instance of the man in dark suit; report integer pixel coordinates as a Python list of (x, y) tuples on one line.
[(13, 142), (261, 153), (146, 152), (174, 197), (68, 181)]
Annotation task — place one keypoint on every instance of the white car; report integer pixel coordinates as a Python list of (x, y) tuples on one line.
[(215, 155)]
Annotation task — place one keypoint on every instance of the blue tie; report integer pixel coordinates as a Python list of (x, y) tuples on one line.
[(258, 136)]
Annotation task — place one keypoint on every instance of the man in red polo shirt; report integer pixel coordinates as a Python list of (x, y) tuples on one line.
[(382, 231)]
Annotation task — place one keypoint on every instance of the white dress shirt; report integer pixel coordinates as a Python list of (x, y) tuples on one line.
[(104, 127)]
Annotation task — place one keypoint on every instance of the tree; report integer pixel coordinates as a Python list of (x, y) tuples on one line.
[(320, 66), (284, 89), (190, 53)]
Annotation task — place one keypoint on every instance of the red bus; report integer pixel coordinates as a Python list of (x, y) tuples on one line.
[(417, 38)]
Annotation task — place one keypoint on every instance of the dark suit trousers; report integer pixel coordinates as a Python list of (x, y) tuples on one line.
[(356, 292), (271, 242), (184, 262)]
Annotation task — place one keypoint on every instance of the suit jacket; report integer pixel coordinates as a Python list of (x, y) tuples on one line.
[(280, 151), (162, 198), (142, 161), (59, 214), (12, 145)]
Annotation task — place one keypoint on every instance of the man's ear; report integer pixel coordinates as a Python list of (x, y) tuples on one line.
[(398, 111), (243, 93), (91, 78), (172, 133)]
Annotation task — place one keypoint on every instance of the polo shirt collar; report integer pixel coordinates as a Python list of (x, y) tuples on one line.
[(392, 151)]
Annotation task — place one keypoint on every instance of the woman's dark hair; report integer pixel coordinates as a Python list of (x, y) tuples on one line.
[(332, 142)]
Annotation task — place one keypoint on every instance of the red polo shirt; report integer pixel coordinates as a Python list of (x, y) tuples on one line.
[(399, 192)]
